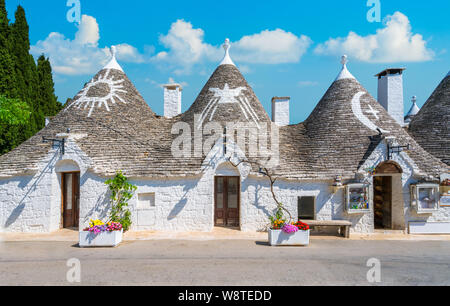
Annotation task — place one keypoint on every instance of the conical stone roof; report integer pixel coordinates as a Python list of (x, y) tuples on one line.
[(414, 110), (126, 135), (226, 97), (344, 129), (431, 126), (109, 97), (109, 116)]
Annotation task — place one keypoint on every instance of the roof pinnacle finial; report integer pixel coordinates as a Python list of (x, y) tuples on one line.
[(227, 59), (344, 60), (413, 111), (113, 61), (344, 74), (227, 45), (113, 51)]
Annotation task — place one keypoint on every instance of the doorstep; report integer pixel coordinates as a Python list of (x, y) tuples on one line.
[(67, 235), (218, 233), (397, 235), (57, 236)]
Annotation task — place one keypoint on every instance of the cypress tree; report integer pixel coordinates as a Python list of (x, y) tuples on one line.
[(25, 68), (7, 72), (24, 62), (49, 102), (21, 79)]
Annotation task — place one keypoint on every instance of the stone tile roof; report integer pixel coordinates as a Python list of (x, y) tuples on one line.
[(337, 138), (431, 126), (227, 76), (123, 133)]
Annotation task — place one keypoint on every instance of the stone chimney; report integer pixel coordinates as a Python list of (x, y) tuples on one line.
[(172, 100), (390, 92), (280, 110)]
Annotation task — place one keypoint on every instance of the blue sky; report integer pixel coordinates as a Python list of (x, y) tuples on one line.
[(289, 48)]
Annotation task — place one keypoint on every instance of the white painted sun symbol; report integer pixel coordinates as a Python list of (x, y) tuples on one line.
[(105, 84), (228, 96)]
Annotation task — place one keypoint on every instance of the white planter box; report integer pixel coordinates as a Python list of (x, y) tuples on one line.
[(106, 239), (278, 237)]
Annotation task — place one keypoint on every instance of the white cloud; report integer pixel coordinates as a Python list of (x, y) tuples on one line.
[(186, 47), (307, 83), (128, 53), (88, 31), (395, 42), (245, 69), (82, 55), (170, 81), (271, 47)]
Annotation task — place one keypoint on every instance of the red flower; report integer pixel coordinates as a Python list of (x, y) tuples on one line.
[(302, 226)]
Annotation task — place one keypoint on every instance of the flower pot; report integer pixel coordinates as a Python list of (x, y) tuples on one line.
[(105, 239), (278, 237)]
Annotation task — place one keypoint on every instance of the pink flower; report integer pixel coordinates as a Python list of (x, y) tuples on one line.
[(290, 229)]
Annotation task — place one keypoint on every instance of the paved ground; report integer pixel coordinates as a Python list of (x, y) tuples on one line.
[(227, 262), (217, 234)]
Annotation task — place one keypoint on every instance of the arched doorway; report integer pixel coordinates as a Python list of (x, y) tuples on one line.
[(387, 197), (227, 196), (70, 193)]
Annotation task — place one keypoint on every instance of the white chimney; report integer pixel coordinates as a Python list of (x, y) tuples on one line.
[(172, 100), (280, 110), (390, 93)]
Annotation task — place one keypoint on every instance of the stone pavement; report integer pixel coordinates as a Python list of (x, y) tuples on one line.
[(216, 234), (226, 262)]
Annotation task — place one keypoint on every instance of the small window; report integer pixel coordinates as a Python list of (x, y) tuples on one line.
[(357, 198), (146, 200), (307, 208), (425, 198)]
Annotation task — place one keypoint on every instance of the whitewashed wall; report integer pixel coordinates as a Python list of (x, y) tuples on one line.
[(401, 191), (33, 203)]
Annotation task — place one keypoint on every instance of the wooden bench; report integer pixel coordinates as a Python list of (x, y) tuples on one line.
[(342, 224)]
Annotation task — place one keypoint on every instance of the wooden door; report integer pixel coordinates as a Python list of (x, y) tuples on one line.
[(383, 202), (227, 201), (70, 183)]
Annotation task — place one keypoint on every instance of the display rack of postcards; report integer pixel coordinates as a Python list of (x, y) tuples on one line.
[(444, 190), (425, 198), (357, 198)]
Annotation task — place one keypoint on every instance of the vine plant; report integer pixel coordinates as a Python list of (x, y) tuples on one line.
[(279, 215), (121, 192)]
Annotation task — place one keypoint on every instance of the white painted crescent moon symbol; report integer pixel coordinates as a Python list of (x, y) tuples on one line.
[(356, 108)]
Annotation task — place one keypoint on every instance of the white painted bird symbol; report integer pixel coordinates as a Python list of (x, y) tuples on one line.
[(228, 96)]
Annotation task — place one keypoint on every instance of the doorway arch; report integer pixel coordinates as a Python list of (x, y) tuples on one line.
[(388, 167)]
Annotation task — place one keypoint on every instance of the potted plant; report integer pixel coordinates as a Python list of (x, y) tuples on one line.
[(281, 232), (99, 234)]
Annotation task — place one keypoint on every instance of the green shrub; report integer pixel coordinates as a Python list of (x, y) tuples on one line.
[(121, 192)]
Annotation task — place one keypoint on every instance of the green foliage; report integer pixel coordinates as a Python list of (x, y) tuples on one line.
[(7, 72), (49, 102), (22, 79), (14, 111), (15, 116), (278, 218), (121, 192)]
